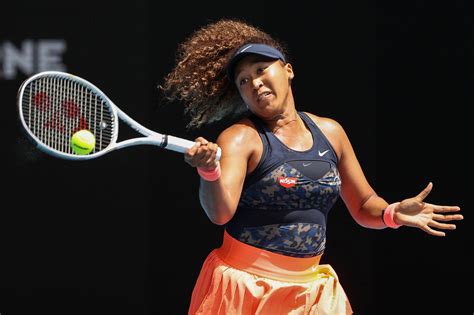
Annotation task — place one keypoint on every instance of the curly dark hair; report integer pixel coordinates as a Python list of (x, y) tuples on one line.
[(199, 77)]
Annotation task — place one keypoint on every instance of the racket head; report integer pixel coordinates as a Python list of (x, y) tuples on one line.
[(53, 105)]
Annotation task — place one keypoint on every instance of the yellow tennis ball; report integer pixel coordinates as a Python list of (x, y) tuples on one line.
[(83, 142)]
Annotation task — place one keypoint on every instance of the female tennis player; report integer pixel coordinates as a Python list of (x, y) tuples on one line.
[(280, 173)]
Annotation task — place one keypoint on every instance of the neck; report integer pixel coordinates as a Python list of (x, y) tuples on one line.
[(284, 120)]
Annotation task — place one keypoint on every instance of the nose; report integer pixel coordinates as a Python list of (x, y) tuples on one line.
[(257, 83)]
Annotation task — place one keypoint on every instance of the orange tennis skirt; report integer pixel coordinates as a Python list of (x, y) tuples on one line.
[(241, 279)]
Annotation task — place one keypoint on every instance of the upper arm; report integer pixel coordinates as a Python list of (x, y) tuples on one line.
[(238, 148), (355, 189)]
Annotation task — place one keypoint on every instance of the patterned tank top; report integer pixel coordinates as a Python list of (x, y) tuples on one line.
[(285, 201)]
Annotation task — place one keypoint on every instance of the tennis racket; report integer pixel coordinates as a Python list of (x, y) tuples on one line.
[(54, 105)]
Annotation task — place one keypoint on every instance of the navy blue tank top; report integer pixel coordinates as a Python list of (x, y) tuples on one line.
[(285, 201)]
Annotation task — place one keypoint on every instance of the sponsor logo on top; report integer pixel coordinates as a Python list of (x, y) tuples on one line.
[(287, 182)]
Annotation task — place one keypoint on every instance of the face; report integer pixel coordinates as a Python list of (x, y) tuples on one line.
[(265, 85)]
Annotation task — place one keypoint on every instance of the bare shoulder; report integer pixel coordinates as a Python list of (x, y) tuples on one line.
[(327, 125), (331, 129), (240, 136), (241, 131)]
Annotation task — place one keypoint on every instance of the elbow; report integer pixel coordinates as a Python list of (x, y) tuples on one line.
[(219, 216), (364, 224), (219, 210), (361, 218), (218, 220)]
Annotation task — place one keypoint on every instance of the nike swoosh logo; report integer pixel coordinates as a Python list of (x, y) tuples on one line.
[(245, 48), (307, 164), (322, 153)]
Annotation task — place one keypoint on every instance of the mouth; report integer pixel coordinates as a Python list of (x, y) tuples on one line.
[(263, 96)]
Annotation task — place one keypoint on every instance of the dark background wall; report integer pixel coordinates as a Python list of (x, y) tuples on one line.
[(125, 234)]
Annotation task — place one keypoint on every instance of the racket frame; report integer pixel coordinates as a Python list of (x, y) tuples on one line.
[(150, 137)]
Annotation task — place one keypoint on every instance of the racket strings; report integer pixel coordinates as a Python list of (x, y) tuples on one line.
[(55, 107)]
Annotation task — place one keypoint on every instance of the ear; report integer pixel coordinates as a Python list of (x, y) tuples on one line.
[(289, 70)]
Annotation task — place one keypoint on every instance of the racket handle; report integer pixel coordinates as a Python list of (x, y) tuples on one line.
[(219, 153), (182, 145)]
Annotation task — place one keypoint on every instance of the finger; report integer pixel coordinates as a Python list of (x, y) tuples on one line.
[(448, 217), (422, 195), (442, 226), (429, 230), (214, 148), (207, 157), (438, 208), (201, 140), (212, 159), (202, 154), (190, 153), (192, 150), (204, 158)]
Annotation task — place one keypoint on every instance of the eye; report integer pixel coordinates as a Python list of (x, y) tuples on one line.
[(260, 70), (243, 81)]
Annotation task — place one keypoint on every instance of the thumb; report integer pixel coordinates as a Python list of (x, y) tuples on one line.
[(422, 195)]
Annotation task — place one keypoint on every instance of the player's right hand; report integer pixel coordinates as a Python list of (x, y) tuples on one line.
[(202, 154)]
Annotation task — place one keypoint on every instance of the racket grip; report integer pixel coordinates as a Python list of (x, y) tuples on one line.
[(182, 145), (177, 144)]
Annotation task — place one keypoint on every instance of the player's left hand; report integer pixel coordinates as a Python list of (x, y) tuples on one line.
[(425, 216)]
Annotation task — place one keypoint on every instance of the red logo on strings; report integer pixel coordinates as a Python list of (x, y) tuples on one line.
[(70, 108), (66, 118), (41, 101)]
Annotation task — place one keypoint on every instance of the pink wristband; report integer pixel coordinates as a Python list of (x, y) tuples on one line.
[(211, 175), (387, 216)]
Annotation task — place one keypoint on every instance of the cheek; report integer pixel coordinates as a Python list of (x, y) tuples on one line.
[(272, 72), (245, 94)]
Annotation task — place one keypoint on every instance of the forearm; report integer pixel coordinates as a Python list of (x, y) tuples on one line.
[(216, 201), (369, 214)]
